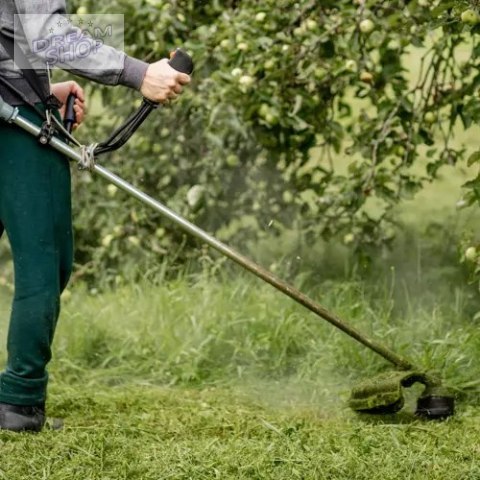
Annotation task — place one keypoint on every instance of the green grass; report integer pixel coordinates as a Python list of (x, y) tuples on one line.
[(222, 377), (155, 433)]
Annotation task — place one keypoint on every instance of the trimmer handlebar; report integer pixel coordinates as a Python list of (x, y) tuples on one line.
[(179, 60)]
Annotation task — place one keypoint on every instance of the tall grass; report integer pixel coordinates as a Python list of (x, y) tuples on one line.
[(229, 328)]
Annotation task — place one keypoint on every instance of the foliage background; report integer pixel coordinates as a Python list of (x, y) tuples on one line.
[(300, 119), (304, 122)]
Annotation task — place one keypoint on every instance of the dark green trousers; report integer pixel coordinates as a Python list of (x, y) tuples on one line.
[(35, 212)]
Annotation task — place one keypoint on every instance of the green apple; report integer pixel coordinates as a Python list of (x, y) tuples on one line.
[(349, 238), (471, 254), (430, 118), (264, 110), (107, 240), (400, 151), (271, 118), (298, 31), (320, 73), (351, 65), (287, 197), (246, 80), (232, 160), (112, 190), (470, 17), (269, 114), (225, 43), (134, 240), (177, 150), (367, 26), (260, 17), (196, 197), (269, 64), (82, 10)]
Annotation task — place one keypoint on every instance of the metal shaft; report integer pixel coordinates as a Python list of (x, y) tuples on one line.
[(243, 261)]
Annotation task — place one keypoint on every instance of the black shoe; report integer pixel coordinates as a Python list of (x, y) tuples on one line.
[(19, 418)]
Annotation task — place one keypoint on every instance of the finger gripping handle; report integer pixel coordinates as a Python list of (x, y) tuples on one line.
[(181, 61)]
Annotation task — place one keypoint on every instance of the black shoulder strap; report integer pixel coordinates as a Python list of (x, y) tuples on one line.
[(30, 75)]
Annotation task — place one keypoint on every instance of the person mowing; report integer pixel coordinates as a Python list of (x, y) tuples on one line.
[(35, 195)]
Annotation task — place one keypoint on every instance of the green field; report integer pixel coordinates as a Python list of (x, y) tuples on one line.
[(221, 377)]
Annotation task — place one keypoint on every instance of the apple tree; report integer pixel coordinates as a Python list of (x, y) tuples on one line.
[(315, 116)]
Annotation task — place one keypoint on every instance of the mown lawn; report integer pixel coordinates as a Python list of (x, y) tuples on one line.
[(207, 377), (155, 433)]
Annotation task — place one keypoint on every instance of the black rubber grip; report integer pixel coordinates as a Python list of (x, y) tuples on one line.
[(181, 61), (70, 117)]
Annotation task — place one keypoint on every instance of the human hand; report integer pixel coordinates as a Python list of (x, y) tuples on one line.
[(62, 90), (162, 82)]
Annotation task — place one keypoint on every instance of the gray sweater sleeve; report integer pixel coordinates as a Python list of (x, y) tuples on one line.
[(105, 64)]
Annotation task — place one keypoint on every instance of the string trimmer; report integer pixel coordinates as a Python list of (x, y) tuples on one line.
[(382, 394)]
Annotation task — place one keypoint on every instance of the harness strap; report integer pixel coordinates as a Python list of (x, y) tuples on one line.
[(50, 101)]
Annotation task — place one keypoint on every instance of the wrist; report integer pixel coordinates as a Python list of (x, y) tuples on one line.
[(133, 73)]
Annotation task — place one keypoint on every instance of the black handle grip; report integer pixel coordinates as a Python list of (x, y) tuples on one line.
[(70, 117), (181, 61)]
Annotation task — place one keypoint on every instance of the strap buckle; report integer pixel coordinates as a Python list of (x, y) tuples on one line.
[(52, 102), (47, 130), (46, 133)]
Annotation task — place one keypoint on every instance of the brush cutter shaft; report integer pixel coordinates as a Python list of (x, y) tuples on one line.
[(224, 249)]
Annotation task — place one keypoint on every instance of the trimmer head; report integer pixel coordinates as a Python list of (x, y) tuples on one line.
[(384, 395), (434, 403)]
